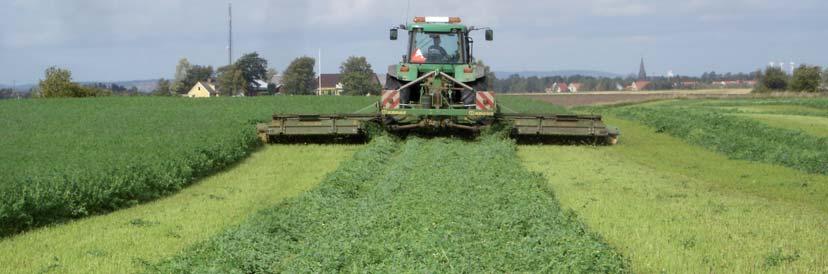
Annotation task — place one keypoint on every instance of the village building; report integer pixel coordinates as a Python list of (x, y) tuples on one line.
[(329, 84), (276, 81), (575, 87), (560, 87), (638, 85), (332, 84), (257, 88), (203, 90)]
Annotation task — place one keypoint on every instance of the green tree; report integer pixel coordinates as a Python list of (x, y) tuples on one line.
[(357, 77), (490, 76), (163, 88), (806, 78), (231, 81), (178, 85), (299, 75), (196, 74), (253, 68), (57, 83), (824, 80), (774, 79)]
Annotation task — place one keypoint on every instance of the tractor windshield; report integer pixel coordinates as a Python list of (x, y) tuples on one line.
[(437, 48)]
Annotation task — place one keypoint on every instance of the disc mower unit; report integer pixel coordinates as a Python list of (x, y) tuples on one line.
[(438, 87)]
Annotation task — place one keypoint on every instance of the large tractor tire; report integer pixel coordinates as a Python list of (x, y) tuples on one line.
[(468, 96), (392, 83)]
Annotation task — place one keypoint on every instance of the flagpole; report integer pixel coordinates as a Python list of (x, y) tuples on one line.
[(319, 87)]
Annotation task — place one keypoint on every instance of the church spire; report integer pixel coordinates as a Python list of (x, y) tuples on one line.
[(642, 74)]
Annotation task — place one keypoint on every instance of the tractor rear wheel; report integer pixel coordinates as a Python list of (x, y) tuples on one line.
[(468, 96), (392, 83)]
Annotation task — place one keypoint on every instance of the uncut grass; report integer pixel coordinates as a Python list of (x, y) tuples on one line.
[(69, 158), (816, 126), (816, 102), (672, 207), (126, 240), (737, 137), (522, 104), (433, 205)]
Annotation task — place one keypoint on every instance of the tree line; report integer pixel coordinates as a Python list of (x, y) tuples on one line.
[(806, 78), (244, 76), (357, 78)]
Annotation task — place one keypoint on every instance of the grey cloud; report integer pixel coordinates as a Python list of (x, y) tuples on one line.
[(128, 39)]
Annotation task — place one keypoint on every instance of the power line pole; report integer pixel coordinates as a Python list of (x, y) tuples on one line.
[(319, 87), (229, 34)]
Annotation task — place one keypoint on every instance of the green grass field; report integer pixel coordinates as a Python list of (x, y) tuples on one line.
[(69, 158), (733, 186), (736, 136), (126, 240), (672, 207), (816, 126)]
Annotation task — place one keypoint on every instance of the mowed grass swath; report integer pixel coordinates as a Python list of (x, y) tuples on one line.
[(735, 136), (393, 208), (68, 158), (126, 240), (673, 207)]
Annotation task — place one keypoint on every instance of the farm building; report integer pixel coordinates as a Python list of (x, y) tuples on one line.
[(574, 87), (330, 84), (203, 90), (638, 85), (257, 87), (560, 87), (276, 81)]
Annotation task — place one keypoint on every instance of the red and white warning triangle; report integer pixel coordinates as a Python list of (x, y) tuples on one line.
[(418, 57)]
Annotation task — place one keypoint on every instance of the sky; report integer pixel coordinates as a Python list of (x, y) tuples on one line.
[(115, 40)]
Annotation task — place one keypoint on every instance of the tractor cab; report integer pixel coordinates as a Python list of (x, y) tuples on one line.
[(438, 69)]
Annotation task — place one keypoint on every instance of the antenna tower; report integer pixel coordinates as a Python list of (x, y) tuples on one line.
[(229, 33)]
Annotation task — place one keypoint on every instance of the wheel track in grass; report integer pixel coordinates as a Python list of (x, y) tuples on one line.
[(124, 241)]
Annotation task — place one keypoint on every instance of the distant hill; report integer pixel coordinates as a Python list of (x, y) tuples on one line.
[(18, 87), (562, 73), (142, 85)]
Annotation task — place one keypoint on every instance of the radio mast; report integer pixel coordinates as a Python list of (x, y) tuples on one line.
[(229, 33)]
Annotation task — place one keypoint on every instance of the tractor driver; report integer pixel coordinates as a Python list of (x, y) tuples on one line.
[(435, 51)]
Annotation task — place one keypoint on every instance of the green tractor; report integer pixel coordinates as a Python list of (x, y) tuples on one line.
[(438, 87)]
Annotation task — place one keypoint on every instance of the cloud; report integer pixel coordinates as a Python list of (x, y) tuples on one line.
[(108, 39), (621, 8)]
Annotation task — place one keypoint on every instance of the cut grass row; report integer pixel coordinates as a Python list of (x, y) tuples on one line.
[(69, 158), (672, 207), (737, 137), (422, 206), (126, 240)]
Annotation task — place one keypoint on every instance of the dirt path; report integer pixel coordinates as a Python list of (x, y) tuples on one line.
[(125, 240)]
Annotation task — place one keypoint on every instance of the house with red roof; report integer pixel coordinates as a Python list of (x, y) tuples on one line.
[(638, 85)]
